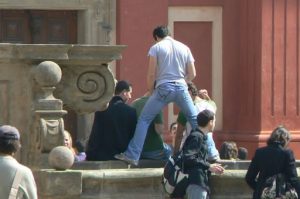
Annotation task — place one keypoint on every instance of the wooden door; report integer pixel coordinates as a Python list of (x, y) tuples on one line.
[(38, 27)]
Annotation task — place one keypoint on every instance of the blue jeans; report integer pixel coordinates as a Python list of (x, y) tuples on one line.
[(213, 153), (162, 95), (196, 192), (163, 154)]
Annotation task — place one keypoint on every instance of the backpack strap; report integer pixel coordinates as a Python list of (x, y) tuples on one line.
[(15, 185)]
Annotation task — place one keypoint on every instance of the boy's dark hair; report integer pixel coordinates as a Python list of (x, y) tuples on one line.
[(121, 86), (160, 32), (9, 146), (9, 139), (192, 87), (204, 117)]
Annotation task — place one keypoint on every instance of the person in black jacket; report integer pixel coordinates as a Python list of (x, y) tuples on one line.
[(195, 157), (272, 159), (114, 127)]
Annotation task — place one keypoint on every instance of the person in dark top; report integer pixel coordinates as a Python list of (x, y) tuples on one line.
[(112, 128), (272, 159), (195, 154)]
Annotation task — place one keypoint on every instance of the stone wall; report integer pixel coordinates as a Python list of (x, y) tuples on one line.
[(127, 184)]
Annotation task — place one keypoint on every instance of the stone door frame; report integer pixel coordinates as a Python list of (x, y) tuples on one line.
[(214, 15)]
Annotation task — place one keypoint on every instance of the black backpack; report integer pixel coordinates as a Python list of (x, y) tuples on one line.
[(174, 180)]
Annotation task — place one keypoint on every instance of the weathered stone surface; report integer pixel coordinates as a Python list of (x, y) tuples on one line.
[(123, 183), (116, 164), (144, 183), (28, 83), (58, 184), (47, 73), (61, 158)]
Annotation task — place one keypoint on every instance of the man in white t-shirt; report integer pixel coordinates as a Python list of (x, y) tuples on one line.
[(9, 145), (171, 66), (184, 128)]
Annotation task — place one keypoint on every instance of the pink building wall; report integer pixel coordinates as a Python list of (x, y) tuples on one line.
[(260, 61)]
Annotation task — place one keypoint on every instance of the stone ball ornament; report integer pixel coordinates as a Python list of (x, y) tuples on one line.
[(47, 73), (61, 158)]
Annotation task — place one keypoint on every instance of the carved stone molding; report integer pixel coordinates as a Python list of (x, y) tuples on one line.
[(86, 89)]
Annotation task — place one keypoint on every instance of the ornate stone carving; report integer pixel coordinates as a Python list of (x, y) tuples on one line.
[(48, 123), (86, 89), (77, 75)]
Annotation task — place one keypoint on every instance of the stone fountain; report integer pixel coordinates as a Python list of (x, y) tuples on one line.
[(37, 80)]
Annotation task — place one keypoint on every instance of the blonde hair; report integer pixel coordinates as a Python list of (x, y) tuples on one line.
[(68, 135)]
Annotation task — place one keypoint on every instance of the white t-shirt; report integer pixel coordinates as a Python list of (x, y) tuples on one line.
[(172, 60), (8, 168), (200, 105)]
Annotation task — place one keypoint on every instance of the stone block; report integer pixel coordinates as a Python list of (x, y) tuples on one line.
[(123, 183), (58, 184)]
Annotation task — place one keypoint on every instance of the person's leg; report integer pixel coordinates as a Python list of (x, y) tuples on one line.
[(162, 154), (196, 192), (186, 104), (153, 155), (213, 153), (167, 151), (160, 97)]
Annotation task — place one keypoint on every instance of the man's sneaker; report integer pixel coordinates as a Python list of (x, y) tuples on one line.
[(124, 158)]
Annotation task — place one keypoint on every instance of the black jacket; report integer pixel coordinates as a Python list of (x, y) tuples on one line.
[(269, 161), (111, 131), (195, 155)]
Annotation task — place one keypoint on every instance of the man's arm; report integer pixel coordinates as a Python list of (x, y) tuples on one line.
[(191, 72), (151, 73)]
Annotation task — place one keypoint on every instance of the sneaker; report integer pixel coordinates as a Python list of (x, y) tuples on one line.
[(124, 158)]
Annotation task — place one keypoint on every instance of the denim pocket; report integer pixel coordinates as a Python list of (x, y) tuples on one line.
[(163, 93)]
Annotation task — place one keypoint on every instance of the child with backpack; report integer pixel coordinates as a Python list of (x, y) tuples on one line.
[(195, 164)]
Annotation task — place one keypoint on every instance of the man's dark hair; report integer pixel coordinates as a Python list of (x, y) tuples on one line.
[(242, 153), (228, 150), (9, 139), (172, 124), (121, 86), (204, 117), (192, 87), (9, 146), (160, 32)]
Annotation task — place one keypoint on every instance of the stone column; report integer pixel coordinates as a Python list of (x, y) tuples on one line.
[(48, 125)]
